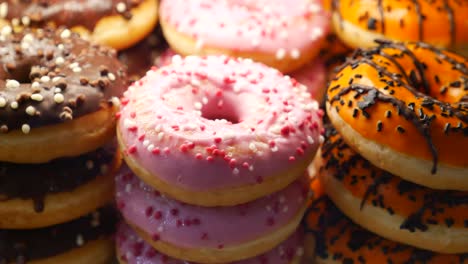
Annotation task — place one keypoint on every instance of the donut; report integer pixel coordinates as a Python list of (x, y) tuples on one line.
[(39, 195), (116, 23), (390, 206), (131, 249), (84, 240), (210, 234), (404, 108), (339, 240), (282, 34), (441, 22), (313, 76), (218, 131), (58, 95), (141, 57)]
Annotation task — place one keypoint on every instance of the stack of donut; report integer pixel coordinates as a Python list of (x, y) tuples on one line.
[(394, 160), (58, 100), (217, 150)]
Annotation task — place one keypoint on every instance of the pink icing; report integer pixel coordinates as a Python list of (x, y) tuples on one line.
[(192, 226), (281, 27), (313, 76), (215, 122), (135, 250)]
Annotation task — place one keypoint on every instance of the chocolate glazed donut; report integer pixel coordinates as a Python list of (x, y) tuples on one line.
[(49, 77)]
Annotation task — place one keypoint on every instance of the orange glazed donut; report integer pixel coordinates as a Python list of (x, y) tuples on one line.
[(439, 22), (405, 109), (339, 240), (390, 206), (115, 23)]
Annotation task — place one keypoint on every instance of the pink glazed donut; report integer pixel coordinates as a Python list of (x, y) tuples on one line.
[(131, 249), (217, 131), (282, 34), (210, 234)]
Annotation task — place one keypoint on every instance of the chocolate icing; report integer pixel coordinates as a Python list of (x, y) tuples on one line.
[(48, 77), (68, 13), (340, 160), (323, 218), (20, 246), (35, 181)]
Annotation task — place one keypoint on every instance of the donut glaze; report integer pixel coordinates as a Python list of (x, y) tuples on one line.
[(48, 77), (216, 123), (339, 240), (441, 22), (188, 226), (427, 218), (408, 103), (131, 249)]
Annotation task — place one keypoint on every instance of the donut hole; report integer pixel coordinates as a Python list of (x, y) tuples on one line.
[(221, 109)]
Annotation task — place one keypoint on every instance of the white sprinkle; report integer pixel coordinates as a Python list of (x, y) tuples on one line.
[(158, 128), (61, 46), (14, 105), (253, 147), (251, 168), (198, 105), (160, 136), (146, 143), (4, 9), (3, 102), (25, 128), (280, 54), (73, 65), (26, 20), (111, 76), (76, 69), (199, 44), (35, 85), (28, 38), (160, 229), (295, 54), (57, 90), (56, 79), (37, 97), (316, 33), (321, 139), (79, 240), (58, 98), (310, 140), (30, 110), (89, 164), (204, 100), (6, 31), (195, 82), (128, 188), (45, 78), (12, 84), (274, 149), (59, 60), (121, 7), (15, 22), (150, 147), (128, 123), (235, 171), (115, 101), (66, 33)]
